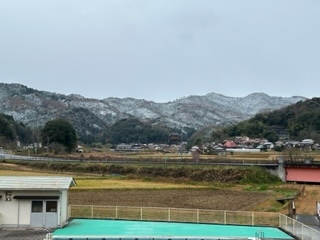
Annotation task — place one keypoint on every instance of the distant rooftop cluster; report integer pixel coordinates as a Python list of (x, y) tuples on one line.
[(245, 144), (237, 144)]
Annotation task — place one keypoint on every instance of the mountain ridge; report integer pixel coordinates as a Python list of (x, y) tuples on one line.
[(34, 108)]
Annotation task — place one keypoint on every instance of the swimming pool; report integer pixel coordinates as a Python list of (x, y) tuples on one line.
[(94, 229)]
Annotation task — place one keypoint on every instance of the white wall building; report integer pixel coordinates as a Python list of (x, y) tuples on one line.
[(35, 201)]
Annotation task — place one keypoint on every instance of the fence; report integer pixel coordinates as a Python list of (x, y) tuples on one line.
[(197, 216), (148, 160), (298, 229)]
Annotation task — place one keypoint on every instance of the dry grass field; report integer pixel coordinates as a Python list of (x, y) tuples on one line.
[(113, 183), (115, 191), (216, 199)]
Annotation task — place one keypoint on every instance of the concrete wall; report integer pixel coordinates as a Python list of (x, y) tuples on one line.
[(64, 208), (295, 173), (9, 211), (24, 212)]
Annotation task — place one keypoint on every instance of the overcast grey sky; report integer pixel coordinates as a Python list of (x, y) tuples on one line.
[(161, 50)]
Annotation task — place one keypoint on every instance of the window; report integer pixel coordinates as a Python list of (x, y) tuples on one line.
[(51, 206), (37, 206)]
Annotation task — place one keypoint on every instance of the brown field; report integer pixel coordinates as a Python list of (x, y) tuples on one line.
[(94, 190), (216, 199)]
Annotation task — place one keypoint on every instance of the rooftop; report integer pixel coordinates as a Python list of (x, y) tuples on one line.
[(35, 182)]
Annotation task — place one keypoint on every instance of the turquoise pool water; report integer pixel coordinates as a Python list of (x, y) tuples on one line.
[(79, 229)]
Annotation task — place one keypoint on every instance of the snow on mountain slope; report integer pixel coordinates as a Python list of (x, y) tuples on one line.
[(35, 108)]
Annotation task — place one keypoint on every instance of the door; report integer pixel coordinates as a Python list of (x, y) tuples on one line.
[(51, 216), (36, 214), (44, 213)]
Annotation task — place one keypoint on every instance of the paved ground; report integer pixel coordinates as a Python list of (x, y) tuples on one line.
[(309, 220), (6, 234)]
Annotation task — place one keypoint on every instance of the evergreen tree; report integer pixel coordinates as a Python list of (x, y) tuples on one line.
[(59, 132)]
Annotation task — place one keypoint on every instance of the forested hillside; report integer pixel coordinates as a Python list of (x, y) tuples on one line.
[(300, 121), (133, 130), (11, 131), (92, 117)]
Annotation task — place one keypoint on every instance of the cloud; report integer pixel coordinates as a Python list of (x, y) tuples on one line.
[(161, 50)]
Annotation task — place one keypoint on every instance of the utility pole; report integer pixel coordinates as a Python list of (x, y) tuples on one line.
[(181, 144), (47, 144)]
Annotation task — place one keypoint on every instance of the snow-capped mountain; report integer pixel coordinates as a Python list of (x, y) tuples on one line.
[(34, 108)]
